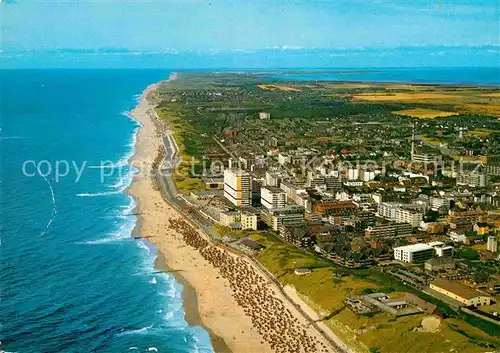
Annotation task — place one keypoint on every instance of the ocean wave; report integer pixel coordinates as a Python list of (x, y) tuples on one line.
[(172, 290), (143, 246), (123, 233), (105, 193), (101, 241), (124, 161), (125, 180), (139, 331), (129, 115), (11, 137)]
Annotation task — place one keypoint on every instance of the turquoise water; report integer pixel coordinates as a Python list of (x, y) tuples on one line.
[(72, 278), (461, 76)]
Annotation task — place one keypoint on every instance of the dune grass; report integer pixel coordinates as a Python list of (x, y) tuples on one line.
[(387, 334)]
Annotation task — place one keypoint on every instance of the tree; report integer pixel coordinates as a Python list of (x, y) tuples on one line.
[(480, 276), (431, 216), (467, 254)]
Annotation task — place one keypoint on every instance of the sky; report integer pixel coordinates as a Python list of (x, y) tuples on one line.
[(33, 30)]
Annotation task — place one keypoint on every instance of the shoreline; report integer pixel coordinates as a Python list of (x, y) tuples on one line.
[(189, 296), (207, 300)]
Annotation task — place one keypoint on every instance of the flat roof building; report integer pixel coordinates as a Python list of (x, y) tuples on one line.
[(248, 220), (416, 253), (392, 230), (440, 263), (272, 197), (410, 215)]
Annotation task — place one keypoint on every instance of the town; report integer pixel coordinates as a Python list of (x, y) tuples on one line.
[(376, 202)]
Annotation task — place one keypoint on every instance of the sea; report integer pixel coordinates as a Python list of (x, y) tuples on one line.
[(72, 278), (481, 76)]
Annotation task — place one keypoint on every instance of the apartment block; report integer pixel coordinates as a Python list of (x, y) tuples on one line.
[(472, 178), (272, 197), (387, 210), (392, 230), (410, 215), (439, 202), (248, 221), (238, 187)]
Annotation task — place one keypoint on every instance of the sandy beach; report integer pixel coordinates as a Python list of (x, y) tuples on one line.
[(210, 297)]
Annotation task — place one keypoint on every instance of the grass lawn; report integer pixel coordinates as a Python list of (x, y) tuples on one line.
[(186, 184), (432, 141), (482, 132), (281, 258), (326, 293)]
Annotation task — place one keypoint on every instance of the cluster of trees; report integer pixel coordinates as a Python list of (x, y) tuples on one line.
[(467, 253)]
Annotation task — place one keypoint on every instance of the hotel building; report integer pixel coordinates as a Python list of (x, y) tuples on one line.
[(238, 187)]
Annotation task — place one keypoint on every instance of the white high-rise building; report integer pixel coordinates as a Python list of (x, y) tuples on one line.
[(238, 187), (272, 197), (492, 244)]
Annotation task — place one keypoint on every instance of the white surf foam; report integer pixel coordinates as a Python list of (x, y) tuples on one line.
[(125, 179), (127, 210), (122, 234), (11, 137), (172, 290), (105, 193), (143, 330), (124, 161), (169, 315)]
